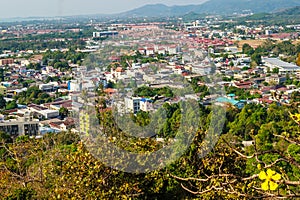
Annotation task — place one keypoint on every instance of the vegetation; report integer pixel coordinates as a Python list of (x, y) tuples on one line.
[(151, 92), (58, 166), (33, 95)]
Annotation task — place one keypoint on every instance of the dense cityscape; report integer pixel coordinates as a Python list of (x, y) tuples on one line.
[(242, 67)]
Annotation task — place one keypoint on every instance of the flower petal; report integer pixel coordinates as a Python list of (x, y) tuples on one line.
[(273, 185), (265, 185), (262, 175), (270, 173), (276, 177)]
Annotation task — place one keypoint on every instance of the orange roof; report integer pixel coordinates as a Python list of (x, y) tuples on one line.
[(119, 69), (109, 90)]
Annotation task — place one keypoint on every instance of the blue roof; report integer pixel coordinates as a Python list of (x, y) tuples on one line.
[(226, 100), (22, 106), (145, 99)]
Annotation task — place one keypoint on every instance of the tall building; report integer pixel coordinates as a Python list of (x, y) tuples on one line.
[(84, 123), (132, 104)]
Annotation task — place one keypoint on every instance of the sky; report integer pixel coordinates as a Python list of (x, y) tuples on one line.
[(46, 8)]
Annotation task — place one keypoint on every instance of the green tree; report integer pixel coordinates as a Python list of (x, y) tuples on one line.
[(256, 58), (63, 112), (2, 102), (275, 70), (11, 105), (247, 49)]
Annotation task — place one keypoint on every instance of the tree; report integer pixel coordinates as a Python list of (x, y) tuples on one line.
[(298, 60), (256, 58), (11, 105), (2, 102), (275, 70), (63, 112), (1, 74), (247, 49)]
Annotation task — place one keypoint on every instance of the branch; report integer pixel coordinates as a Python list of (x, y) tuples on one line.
[(215, 176), (288, 140), (202, 192)]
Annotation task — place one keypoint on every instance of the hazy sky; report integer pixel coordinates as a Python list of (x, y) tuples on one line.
[(27, 8)]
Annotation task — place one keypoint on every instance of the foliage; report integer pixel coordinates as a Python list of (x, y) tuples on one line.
[(2, 102), (33, 95), (145, 91), (11, 105), (63, 112), (58, 166)]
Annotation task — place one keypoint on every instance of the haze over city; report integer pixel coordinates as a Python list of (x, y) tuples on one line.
[(46, 8)]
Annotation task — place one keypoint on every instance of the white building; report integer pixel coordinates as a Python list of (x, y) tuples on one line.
[(21, 126), (284, 67), (146, 105), (132, 104)]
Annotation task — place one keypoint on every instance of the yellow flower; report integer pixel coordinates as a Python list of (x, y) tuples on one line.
[(259, 166), (270, 177)]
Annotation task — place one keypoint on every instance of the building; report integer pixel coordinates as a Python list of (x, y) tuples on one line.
[(104, 34), (43, 112), (283, 67), (46, 87), (202, 70), (74, 86), (84, 123), (7, 61), (22, 126), (275, 79), (3, 90), (132, 104), (68, 124), (146, 105)]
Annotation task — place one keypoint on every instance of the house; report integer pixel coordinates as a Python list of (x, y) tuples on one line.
[(146, 104), (110, 91), (150, 51), (161, 51), (142, 51), (68, 124), (275, 79), (173, 49), (43, 112), (243, 85)]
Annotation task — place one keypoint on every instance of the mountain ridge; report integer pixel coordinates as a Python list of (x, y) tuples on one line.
[(222, 7)]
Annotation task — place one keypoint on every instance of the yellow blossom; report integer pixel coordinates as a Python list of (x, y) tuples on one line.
[(270, 177)]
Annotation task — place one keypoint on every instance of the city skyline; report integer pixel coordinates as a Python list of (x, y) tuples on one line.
[(38, 8)]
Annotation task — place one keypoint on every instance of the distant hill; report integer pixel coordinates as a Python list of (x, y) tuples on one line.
[(158, 10), (288, 15), (223, 7)]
